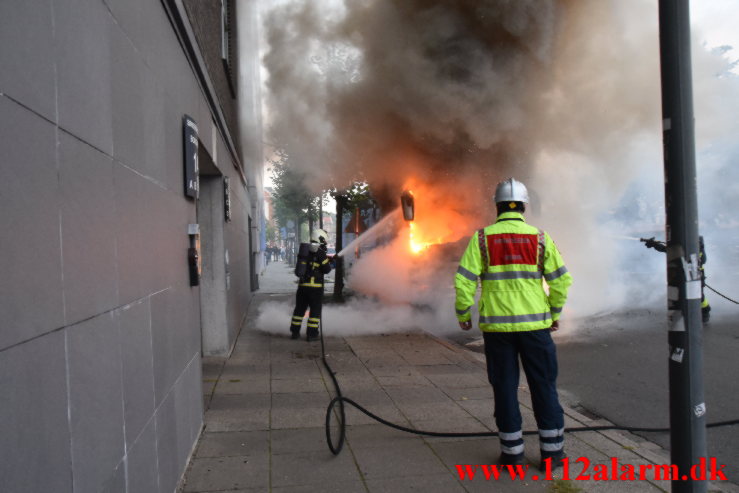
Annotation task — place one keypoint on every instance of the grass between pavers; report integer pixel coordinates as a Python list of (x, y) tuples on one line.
[(562, 486)]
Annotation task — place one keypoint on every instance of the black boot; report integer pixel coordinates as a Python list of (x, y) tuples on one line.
[(556, 460), (511, 459), (294, 334), (706, 312)]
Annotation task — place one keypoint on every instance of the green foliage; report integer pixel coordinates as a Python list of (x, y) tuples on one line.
[(272, 233), (357, 195), (291, 199), (562, 486)]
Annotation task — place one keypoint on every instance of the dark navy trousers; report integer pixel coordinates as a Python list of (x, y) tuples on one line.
[(538, 357)]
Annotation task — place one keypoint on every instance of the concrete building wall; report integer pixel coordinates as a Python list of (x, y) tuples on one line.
[(100, 333)]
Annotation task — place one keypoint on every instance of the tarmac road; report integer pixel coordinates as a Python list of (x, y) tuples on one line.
[(617, 367)]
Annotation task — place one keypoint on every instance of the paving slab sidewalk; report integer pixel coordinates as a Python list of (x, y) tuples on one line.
[(265, 409)]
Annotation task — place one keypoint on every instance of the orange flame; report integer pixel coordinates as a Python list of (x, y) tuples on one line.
[(436, 219), (418, 246)]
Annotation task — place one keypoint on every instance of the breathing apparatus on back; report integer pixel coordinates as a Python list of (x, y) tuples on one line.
[(307, 251)]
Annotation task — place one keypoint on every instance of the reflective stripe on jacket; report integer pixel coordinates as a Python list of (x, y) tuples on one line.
[(317, 267), (513, 296)]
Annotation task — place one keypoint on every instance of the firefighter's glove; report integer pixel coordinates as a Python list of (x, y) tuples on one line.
[(465, 325)]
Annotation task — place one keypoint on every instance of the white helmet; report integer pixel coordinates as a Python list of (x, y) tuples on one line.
[(318, 234), (511, 190)]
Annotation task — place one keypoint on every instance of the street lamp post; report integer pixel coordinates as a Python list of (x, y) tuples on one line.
[(687, 405)]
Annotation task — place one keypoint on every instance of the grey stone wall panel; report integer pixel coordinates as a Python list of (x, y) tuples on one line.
[(167, 60), (144, 22), (175, 335), (170, 467), (31, 301), (88, 229), (138, 111), (96, 401), (83, 57), (142, 459), (34, 430), (26, 58), (116, 483), (134, 259), (137, 365), (189, 405), (178, 425), (169, 239)]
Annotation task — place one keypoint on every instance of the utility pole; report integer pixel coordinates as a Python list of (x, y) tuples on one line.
[(310, 222), (687, 404), (339, 273), (320, 211)]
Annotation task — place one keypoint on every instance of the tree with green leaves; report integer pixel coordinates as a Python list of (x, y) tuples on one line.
[(292, 201)]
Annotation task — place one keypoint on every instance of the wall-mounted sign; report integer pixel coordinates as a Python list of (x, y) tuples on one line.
[(227, 198), (192, 184)]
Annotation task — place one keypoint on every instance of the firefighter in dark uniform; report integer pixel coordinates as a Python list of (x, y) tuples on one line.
[(702, 258), (310, 288)]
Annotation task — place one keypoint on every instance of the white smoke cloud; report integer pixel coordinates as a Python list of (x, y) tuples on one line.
[(359, 317)]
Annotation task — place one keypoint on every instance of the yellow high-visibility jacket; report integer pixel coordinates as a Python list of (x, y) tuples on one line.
[(517, 257)]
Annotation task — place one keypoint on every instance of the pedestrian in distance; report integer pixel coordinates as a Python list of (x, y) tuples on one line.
[(310, 270), (512, 259)]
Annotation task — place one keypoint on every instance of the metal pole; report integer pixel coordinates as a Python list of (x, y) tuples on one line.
[(339, 283), (310, 222), (356, 231), (687, 405), (320, 211)]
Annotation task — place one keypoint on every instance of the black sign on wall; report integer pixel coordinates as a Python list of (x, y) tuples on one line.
[(227, 198), (192, 184)]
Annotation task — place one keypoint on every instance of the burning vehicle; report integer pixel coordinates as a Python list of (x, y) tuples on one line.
[(425, 235)]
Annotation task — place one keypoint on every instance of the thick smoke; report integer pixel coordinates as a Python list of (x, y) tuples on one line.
[(458, 94)]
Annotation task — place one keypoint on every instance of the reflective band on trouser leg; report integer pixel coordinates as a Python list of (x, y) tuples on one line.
[(511, 443), (551, 440), (313, 323), (297, 321)]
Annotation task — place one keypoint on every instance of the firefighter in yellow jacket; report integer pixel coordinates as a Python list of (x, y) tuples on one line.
[(512, 259)]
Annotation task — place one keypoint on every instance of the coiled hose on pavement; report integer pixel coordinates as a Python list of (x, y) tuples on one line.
[(340, 400)]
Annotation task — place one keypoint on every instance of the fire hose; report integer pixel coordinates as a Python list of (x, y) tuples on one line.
[(722, 295), (340, 400), (660, 247)]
